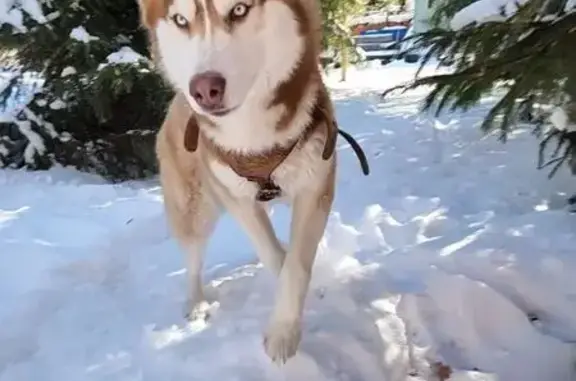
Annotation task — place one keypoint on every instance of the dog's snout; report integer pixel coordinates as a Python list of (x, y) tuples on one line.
[(208, 90)]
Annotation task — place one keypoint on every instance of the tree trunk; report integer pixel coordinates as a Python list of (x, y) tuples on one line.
[(344, 61)]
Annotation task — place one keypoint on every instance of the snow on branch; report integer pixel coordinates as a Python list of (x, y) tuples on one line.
[(124, 55), (81, 34), (560, 120), (27, 85), (6, 78), (12, 12), (483, 11), (35, 141), (68, 70)]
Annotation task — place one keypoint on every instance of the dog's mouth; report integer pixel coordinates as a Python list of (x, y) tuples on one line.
[(221, 111)]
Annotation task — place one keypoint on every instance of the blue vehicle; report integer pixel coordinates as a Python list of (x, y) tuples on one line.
[(380, 44)]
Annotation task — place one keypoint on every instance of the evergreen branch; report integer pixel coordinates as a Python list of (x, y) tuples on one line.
[(531, 54), (490, 70), (560, 162)]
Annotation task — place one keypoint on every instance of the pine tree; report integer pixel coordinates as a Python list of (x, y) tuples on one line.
[(88, 95), (525, 51)]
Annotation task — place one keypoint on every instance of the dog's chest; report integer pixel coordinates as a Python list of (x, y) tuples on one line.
[(302, 168)]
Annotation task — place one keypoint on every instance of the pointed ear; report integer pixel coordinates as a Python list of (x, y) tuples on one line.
[(152, 10), (191, 134)]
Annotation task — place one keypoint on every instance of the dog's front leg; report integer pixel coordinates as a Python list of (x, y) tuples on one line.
[(309, 217)]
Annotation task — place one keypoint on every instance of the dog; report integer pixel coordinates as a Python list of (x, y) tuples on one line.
[(251, 122)]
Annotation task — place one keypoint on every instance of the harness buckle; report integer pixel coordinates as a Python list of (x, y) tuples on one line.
[(267, 191)]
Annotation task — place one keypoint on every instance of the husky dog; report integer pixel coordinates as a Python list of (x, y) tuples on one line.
[(251, 121)]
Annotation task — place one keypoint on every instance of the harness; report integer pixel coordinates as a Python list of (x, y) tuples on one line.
[(259, 168)]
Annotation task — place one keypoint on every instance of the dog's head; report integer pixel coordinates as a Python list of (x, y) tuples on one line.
[(223, 54)]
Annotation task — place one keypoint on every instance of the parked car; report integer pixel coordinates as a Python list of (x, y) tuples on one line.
[(378, 35), (381, 44)]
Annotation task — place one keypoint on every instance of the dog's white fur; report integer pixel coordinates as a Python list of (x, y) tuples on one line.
[(255, 58)]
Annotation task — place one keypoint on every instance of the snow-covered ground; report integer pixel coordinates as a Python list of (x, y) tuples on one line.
[(455, 241)]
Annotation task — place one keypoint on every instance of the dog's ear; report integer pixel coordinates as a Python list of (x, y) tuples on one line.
[(151, 11), (331, 135), (191, 134)]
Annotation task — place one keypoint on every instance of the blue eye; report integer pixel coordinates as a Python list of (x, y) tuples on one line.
[(180, 21), (239, 11)]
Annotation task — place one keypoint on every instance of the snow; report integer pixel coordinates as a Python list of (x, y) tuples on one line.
[(47, 126), (125, 55), (483, 11), (33, 8), (559, 118), (3, 150), (14, 17), (454, 250), (81, 34), (13, 105), (560, 121), (11, 13), (52, 16), (5, 117), (35, 141), (68, 70), (58, 104), (5, 78)]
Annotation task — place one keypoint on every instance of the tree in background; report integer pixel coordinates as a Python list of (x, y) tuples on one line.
[(524, 49), (337, 28), (85, 93), (379, 5)]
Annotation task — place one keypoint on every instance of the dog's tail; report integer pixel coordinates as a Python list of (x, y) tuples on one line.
[(357, 150)]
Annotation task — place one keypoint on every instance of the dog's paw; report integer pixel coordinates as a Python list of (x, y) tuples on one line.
[(201, 305), (281, 341), (200, 311)]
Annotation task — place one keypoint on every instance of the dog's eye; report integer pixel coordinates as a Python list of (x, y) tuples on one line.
[(180, 21), (239, 11)]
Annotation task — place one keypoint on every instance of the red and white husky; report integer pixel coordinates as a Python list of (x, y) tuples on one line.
[(251, 121)]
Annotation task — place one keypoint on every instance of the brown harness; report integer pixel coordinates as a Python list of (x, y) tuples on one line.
[(259, 167)]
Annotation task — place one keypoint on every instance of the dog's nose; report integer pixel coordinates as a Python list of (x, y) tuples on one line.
[(208, 90)]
